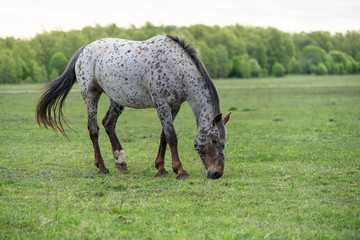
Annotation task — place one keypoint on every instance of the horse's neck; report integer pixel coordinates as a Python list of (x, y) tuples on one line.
[(202, 108)]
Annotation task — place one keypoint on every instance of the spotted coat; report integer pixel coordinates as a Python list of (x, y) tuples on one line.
[(161, 73)]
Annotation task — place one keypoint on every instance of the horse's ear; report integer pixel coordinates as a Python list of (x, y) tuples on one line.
[(217, 119), (227, 118)]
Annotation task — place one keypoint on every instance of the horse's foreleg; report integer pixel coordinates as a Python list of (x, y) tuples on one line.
[(160, 159), (109, 123), (176, 164), (166, 119), (91, 101)]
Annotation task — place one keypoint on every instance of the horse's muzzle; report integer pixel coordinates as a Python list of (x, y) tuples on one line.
[(213, 174)]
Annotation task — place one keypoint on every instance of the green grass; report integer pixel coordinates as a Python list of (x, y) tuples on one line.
[(292, 169)]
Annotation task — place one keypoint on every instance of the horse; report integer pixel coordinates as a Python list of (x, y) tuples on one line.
[(162, 73)]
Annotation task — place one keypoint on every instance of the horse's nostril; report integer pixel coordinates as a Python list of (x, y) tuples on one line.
[(213, 175), (216, 175)]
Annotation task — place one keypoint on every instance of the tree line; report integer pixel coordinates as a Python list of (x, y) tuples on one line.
[(230, 51)]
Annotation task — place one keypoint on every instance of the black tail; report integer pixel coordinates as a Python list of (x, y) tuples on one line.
[(49, 108)]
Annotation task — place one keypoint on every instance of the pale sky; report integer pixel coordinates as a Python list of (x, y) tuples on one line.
[(25, 18)]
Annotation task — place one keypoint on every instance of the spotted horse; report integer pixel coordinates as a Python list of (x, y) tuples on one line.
[(162, 73)]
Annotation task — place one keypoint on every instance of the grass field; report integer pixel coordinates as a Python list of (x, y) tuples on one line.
[(292, 169)]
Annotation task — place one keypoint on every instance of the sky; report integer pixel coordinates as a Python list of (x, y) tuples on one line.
[(26, 18)]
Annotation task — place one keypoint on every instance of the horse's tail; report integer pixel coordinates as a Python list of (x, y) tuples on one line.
[(49, 109)]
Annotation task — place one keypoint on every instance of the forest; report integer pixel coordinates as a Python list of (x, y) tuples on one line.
[(230, 51)]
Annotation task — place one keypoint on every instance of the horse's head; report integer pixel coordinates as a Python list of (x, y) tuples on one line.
[(210, 145)]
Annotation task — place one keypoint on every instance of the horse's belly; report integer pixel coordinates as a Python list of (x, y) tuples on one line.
[(133, 101), (128, 95)]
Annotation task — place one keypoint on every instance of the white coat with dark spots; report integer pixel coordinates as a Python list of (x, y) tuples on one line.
[(162, 73)]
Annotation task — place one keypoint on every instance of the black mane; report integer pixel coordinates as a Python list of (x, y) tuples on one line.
[(193, 54)]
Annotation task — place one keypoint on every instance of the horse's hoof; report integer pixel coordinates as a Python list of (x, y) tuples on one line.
[(163, 174), (103, 170), (183, 176), (122, 167)]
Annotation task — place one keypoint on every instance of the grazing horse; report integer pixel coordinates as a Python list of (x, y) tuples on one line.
[(162, 73)]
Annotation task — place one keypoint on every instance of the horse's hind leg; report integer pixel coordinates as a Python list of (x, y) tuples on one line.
[(109, 123), (91, 98)]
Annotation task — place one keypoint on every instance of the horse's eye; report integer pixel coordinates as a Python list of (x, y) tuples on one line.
[(213, 141)]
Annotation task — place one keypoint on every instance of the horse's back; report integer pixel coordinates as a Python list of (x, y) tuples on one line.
[(136, 73)]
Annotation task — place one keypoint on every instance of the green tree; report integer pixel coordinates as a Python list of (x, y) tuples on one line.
[(236, 67), (245, 66), (300, 41), (357, 56), (255, 69), (43, 44), (320, 39), (241, 67), (222, 61), (343, 63), (209, 59), (278, 70), (25, 70), (351, 43), (256, 49), (313, 58), (279, 47), (69, 42), (227, 38), (54, 74), (314, 53), (7, 67), (328, 62), (58, 62), (225, 51), (319, 69), (24, 56), (38, 73), (294, 66)]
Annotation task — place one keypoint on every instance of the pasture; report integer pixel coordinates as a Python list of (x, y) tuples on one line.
[(292, 168)]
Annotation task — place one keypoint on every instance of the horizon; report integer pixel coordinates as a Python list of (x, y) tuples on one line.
[(59, 29), (24, 19)]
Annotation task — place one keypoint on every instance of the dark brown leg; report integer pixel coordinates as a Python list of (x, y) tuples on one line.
[(166, 117), (109, 123), (91, 101), (160, 159), (94, 136), (176, 163)]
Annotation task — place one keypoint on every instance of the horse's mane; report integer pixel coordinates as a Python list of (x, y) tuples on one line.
[(193, 54)]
